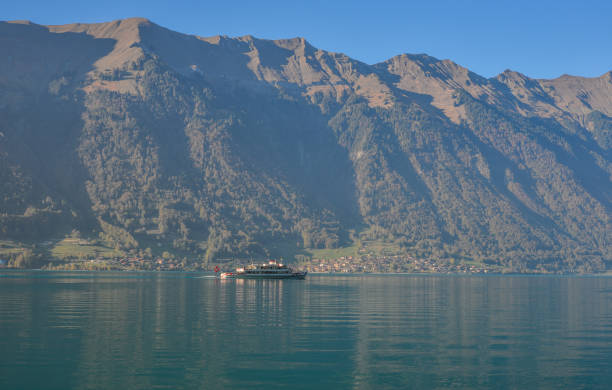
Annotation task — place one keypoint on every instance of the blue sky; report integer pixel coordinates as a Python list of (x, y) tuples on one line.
[(539, 38)]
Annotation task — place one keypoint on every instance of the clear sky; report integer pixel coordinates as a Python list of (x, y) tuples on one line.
[(540, 38)]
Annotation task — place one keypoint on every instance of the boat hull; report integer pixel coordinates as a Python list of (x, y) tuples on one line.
[(296, 275)]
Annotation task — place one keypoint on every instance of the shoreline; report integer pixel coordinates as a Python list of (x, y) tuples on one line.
[(353, 274)]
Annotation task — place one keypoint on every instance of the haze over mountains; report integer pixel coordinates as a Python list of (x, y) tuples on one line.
[(229, 146)]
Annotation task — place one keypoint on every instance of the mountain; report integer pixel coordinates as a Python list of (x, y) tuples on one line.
[(215, 147)]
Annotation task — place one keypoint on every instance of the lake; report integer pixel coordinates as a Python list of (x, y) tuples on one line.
[(62, 330)]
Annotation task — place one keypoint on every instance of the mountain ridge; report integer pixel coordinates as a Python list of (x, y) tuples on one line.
[(216, 146)]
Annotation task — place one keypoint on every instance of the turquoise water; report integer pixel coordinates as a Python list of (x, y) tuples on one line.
[(182, 331)]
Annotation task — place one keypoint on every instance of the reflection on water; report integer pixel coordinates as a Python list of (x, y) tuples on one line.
[(148, 330)]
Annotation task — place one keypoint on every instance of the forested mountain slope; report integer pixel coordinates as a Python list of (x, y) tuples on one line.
[(229, 146)]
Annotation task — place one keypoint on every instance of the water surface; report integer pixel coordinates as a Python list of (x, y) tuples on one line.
[(181, 331)]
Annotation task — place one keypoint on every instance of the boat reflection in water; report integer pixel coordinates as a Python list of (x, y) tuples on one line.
[(272, 270)]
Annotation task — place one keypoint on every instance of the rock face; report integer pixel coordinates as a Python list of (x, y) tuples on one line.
[(236, 146)]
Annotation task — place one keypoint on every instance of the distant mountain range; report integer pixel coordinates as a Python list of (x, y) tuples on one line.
[(219, 146)]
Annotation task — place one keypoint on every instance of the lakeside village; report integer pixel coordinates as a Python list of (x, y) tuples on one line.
[(73, 253), (80, 254), (344, 264), (391, 264)]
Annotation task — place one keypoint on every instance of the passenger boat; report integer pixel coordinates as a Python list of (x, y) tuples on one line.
[(271, 270)]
